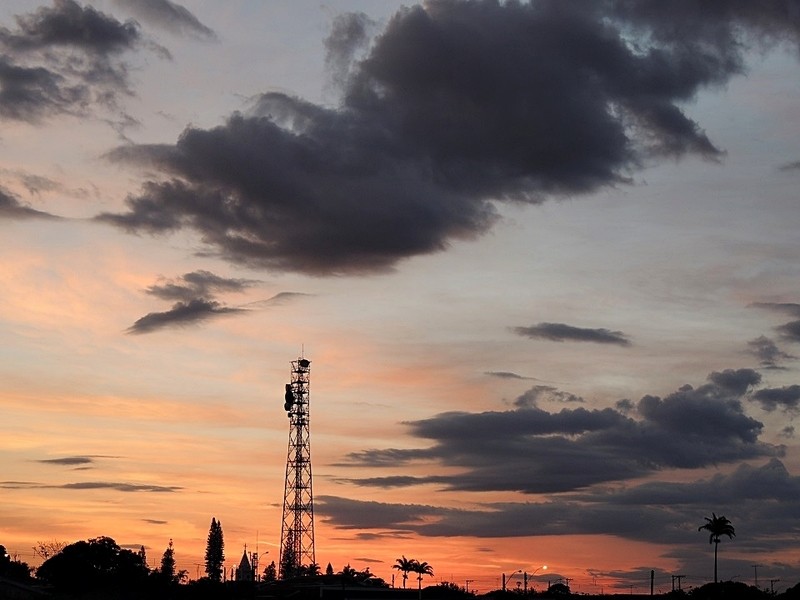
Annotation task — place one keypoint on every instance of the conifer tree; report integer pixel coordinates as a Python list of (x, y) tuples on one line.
[(215, 551), (168, 563)]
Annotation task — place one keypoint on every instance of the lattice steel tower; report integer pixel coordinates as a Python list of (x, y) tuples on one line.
[(297, 529)]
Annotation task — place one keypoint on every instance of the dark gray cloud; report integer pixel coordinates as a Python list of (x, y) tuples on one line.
[(456, 106), (790, 331), (155, 521), (195, 295), (792, 166), (560, 332), (768, 353), (505, 375), (64, 59), (170, 16), (534, 451), (119, 487), (789, 308), (785, 398), (532, 397), (349, 34), (13, 208), (196, 284), (92, 485), (182, 314), (632, 512), (68, 460)]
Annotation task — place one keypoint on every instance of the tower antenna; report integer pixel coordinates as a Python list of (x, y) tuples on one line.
[(297, 528)]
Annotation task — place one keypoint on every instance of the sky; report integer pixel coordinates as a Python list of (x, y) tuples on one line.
[(543, 258)]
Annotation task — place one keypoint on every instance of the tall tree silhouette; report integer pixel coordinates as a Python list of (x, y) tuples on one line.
[(405, 565), (215, 551), (421, 568), (717, 526)]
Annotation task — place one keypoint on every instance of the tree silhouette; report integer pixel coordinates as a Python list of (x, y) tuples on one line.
[(98, 563), (271, 572), (13, 569), (421, 568), (215, 551), (717, 526), (405, 565)]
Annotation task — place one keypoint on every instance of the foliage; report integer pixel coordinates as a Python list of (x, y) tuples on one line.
[(45, 550), (421, 569), (13, 569), (405, 565), (329, 569), (290, 562), (271, 572), (98, 563), (215, 551), (733, 590), (717, 527)]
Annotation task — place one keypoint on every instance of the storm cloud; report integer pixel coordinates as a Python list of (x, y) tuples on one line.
[(456, 106), (535, 451)]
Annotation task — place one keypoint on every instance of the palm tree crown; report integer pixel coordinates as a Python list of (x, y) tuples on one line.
[(422, 568), (717, 526), (405, 565)]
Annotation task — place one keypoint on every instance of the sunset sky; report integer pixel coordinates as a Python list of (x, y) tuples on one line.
[(544, 259)]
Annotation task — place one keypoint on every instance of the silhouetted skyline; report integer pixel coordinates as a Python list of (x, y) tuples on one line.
[(543, 255)]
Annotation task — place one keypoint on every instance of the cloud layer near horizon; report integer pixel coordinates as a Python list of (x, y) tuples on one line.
[(455, 106)]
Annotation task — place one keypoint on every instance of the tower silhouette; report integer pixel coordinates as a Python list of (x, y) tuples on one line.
[(297, 528)]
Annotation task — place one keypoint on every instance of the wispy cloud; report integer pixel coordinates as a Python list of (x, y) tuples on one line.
[(168, 15), (195, 294)]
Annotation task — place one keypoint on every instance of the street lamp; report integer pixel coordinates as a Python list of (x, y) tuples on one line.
[(543, 567), (509, 578)]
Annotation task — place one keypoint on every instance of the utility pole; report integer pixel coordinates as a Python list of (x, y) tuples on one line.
[(772, 583), (466, 586), (755, 573), (678, 579)]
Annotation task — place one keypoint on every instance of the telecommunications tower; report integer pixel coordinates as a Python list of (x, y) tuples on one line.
[(297, 529)]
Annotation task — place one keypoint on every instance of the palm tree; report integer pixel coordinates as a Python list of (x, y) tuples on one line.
[(421, 568), (717, 526), (405, 565)]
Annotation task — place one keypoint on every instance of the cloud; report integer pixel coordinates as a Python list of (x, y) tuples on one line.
[(196, 284), (786, 398), (790, 331), (791, 166), (194, 293), (169, 16), (92, 485), (534, 451), (68, 460), (633, 512), (456, 106), (64, 59), (119, 487), (12, 208), (506, 375), (560, 332), (182, 314), (533, 396), (768, 353)]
